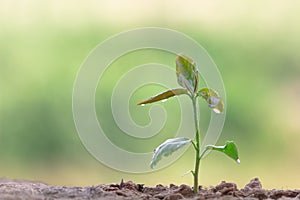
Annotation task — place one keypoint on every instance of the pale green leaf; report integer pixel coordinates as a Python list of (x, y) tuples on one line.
[(187, 73), (167, 148), (215, 102)]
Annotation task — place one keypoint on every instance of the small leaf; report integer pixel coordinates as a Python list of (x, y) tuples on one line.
[(167, 148), (187, 172), (164, 95), (230, 149), (187, 73), (213, 99)]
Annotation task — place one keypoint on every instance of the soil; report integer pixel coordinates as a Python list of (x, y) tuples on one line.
[(19, 190)]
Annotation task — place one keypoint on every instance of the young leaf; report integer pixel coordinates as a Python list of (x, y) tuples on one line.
[(187, 73), (229, 149), (167, 148), (164, 95), (213, 99)]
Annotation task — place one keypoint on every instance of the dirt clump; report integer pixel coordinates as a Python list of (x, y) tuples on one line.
[(18, 189)]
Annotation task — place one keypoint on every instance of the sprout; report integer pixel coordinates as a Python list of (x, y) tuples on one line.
[(187, 77)]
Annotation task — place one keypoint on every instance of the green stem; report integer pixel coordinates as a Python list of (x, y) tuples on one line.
[(197, 145)]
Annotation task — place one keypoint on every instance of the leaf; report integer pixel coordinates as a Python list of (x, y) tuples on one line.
[(230, 149), (187, 73), (215, 102), (164, 95), (167, 148)]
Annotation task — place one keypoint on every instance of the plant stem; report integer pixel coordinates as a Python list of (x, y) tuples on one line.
[(197, 145)]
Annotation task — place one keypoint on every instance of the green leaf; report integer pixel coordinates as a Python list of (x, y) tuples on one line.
[(187, 73), (164, 95), (167, 148), (230, 149), (215, 102)]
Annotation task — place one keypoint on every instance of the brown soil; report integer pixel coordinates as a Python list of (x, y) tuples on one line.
[(17, 189)]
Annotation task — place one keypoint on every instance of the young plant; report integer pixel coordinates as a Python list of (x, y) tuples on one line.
[(187, 77)]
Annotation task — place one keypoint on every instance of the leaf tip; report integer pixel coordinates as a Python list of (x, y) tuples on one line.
[(140, 104), (152, 165)]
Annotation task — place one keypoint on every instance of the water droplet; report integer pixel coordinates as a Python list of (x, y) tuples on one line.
[(238, 161), (142, 104), (164, 100), (216, 110)]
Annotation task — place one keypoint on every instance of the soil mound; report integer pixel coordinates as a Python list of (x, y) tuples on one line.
[(19, 189)]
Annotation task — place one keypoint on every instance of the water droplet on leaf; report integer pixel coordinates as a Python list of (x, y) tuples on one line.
[(216, 110), (238, 161), (216, 104), (142, 104), (214, 101), (164, 100)]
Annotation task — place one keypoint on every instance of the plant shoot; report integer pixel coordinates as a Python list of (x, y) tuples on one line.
[(187, 78)]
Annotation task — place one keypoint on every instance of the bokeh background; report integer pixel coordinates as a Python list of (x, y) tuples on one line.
[(255, 44)]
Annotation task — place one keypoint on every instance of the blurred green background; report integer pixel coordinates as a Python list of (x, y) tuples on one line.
[(255, 44)]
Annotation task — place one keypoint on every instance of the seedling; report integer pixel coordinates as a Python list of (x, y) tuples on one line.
[(187, 77)]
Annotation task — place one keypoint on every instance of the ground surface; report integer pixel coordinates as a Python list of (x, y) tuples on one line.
[(17, 189)]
